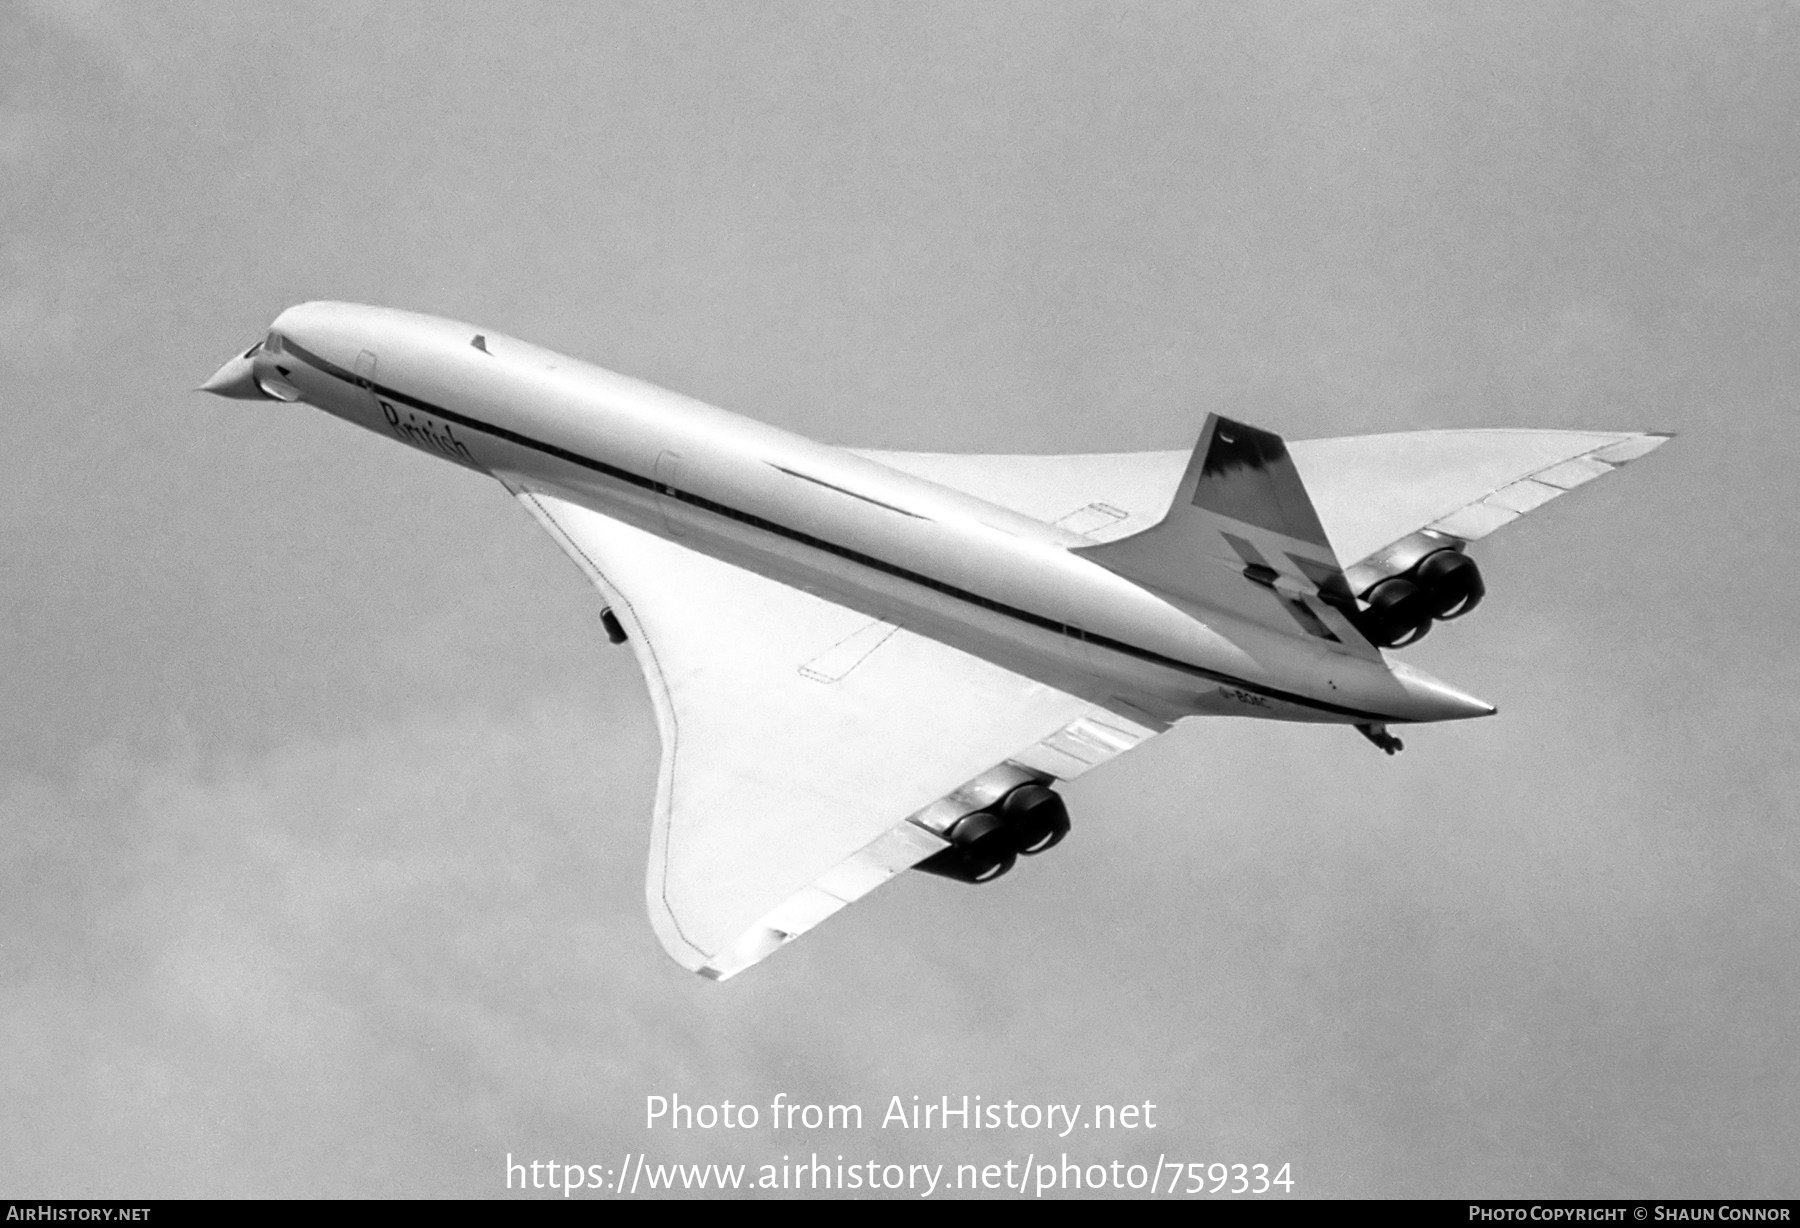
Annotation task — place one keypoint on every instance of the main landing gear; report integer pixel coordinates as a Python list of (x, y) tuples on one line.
[(1379, 735)]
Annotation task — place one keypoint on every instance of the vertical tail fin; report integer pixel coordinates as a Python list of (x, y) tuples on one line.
[(1242, 535)]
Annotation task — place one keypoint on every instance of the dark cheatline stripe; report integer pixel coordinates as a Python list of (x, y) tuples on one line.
[(805, 477), (625, 475)]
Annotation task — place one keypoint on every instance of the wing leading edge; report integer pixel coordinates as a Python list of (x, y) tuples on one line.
[(810, 753), (1370, 491)]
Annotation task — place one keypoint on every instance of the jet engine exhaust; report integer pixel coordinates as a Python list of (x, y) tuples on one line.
[(1445, 584), (1038, 818), (1029, 820)]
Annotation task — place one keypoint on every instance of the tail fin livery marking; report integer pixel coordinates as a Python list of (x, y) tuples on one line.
[(1246, 475), (1241, 503), (1258, 571)]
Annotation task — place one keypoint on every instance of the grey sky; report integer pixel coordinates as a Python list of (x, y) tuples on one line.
[(324, 805)]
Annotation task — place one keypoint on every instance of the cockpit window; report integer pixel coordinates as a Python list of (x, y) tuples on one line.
[(272, 343), (253, 350)]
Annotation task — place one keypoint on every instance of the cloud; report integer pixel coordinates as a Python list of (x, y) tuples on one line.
[(42, 302), (24, 137), (219, 978), (1551, 953), (117, 35)]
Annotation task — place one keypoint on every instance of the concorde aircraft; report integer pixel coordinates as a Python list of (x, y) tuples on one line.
[(866, 662)]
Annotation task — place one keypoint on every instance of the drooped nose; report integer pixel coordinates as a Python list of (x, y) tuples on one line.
[(236, 379)]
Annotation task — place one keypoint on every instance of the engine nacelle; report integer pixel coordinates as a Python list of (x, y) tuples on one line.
[(1452, 582), (984, 845), (1444, 584)]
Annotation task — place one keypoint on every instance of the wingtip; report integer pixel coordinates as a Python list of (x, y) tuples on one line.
[(1629, 447)]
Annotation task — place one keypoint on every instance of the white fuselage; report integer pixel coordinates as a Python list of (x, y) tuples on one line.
[(940, 562)]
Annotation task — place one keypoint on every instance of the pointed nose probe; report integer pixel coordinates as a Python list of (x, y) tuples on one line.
[(236, 379)]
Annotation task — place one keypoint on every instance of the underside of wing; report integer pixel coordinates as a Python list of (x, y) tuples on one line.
[(810, 751)]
